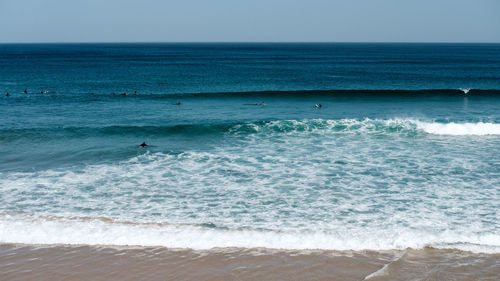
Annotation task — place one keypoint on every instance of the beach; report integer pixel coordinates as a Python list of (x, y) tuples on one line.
[(22, 262)]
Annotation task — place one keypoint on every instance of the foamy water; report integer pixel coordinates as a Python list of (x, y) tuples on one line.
[(460, 129), (78, 231), (296, 184)]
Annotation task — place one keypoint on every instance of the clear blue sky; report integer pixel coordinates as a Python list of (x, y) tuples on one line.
[(250, 21)]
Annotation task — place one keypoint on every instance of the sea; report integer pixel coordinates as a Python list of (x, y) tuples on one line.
[(282, 161)]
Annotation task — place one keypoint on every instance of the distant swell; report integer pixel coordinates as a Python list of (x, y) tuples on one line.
[(301, 93), (338, 93)]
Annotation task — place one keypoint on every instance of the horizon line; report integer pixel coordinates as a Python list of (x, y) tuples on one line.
[(253, 42)]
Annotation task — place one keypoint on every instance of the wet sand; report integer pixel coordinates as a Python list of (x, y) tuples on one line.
[(28, 262)]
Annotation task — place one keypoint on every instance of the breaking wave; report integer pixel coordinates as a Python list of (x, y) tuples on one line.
[(411, 126), (372, 125), (103, 231)]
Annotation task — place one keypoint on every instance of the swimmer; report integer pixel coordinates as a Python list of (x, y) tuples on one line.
[(143, 145), (124, 94), (135, 92), (178, 103), (25, 91), (262, 103), (8, 94), (318, 105)]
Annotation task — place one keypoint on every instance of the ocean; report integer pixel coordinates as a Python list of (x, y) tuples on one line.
[(289, 161)]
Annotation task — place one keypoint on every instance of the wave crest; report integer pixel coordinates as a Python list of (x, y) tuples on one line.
[(305, 126), (410, 126)]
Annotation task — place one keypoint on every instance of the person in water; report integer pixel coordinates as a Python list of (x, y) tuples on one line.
[(143, 145)]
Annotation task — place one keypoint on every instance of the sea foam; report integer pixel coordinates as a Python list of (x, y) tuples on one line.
[(88, 231), (459, 129)]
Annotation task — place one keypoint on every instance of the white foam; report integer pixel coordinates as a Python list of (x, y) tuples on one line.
[(38, 230), (459, 129), (465, 90)]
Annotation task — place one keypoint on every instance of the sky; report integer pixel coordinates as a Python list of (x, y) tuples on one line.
[(250, 21)]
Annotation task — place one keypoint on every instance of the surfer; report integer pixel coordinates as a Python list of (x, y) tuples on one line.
[(318, 105), (256, 103), (143, 145)]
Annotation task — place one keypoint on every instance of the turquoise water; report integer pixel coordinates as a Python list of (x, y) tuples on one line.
[(404, 152)]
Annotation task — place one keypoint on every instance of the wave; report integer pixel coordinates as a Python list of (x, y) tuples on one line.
[(336, 93), (373, 126), (305, 126), (465, 90), (316, 93), (103, 231), (63, 132)]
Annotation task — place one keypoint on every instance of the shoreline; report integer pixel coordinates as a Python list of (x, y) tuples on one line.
[(50, 262)]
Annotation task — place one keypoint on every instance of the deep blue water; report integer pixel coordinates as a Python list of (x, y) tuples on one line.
[(404, 152), (194, 68)]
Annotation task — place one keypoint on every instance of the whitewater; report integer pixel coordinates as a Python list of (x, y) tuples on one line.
[(333, 184)]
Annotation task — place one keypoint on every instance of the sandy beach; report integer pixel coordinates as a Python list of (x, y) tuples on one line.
[(23, 262)]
